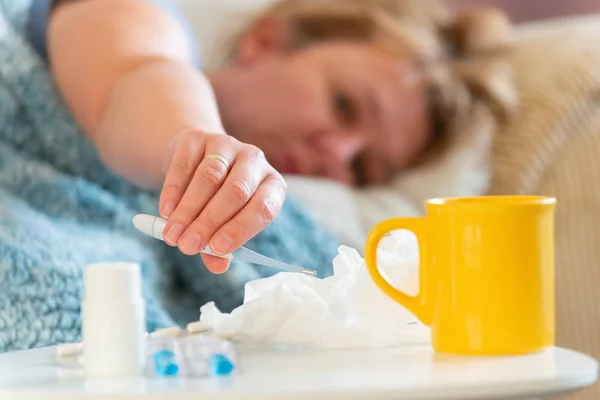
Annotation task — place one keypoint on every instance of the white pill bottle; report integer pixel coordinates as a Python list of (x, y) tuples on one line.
[(113, 315)]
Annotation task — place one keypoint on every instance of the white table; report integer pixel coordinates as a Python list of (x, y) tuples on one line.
[(404, 373)]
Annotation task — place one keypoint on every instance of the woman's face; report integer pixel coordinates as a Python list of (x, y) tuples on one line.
[(345, 111)]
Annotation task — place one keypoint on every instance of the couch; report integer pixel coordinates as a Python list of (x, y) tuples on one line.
[(552, 147)]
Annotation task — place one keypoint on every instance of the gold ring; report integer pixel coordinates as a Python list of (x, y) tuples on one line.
[(218, 158)]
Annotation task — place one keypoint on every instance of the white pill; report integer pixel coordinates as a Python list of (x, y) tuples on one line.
[(69, 349), (198, 327), (225, 335), (173, 331)]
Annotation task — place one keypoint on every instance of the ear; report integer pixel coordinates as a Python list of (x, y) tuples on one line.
[(266, 38)]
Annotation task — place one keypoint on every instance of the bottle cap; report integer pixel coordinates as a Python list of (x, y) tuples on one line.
[(116, 281)]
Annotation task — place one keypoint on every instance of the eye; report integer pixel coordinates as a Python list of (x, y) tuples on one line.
[(345, 109)]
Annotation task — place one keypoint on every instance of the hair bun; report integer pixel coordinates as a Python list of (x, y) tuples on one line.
[(480, 30)]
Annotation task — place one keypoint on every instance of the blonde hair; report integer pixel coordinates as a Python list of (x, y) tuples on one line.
[(471, 88)]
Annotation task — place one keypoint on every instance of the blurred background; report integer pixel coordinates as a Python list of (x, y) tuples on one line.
[(520, 11)]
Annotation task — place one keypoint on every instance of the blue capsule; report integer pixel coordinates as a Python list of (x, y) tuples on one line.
[(220, 365), (165, 363)]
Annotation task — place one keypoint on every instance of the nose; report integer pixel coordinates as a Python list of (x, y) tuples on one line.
[(339, 148)]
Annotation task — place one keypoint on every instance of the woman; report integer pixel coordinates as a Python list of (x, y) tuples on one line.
[(350, 90)]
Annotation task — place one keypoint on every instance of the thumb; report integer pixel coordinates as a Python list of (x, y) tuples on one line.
[(216, 265)]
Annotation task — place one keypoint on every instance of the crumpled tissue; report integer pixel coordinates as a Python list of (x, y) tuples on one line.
[(344, 311)]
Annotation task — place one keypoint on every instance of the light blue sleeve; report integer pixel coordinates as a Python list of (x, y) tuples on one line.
[(37, 25)]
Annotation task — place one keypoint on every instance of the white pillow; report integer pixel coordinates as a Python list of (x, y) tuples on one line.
[(348, 213), (335, 205), (217, 22)]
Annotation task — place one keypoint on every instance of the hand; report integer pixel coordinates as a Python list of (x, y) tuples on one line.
[(208, 201)]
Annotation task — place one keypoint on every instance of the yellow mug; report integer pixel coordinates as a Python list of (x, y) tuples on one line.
[(486, 273)]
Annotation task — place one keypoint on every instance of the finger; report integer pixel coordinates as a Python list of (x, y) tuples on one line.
[(216, 265), (241, 183), (185, 156), (260, 211), (208, 178)]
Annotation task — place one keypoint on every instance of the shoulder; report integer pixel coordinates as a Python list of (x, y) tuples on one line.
[(40, 10)]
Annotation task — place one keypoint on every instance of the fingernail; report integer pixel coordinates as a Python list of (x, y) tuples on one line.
[(190, 244), (221, 244), (168, 209), (173, 233)]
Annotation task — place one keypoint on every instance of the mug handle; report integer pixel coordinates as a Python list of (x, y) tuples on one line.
[(417, 305)]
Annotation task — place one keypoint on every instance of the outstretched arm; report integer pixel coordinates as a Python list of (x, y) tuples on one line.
[(124, 68)]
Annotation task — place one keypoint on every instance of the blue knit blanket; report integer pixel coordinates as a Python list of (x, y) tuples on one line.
[(61, 209)]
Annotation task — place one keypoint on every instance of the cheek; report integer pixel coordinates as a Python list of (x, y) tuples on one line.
[(286, 99), (299, 105), (400, 150)]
